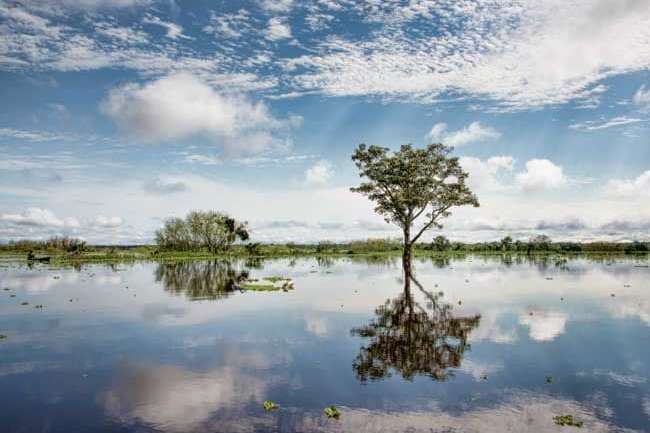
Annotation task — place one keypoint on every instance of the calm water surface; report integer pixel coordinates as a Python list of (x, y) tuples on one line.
[(470, 345)]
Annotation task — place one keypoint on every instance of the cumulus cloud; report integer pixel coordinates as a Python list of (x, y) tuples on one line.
[(485, 174), (319, 174), (541, 174), (544, 325), (181, 105), (639, 186), (472, 133), (278, 29), (35, 216)]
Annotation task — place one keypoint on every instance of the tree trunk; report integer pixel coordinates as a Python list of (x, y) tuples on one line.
[(406, 257)]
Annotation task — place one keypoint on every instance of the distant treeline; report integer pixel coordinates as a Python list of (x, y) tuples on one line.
[(223, 243), (56, 243)]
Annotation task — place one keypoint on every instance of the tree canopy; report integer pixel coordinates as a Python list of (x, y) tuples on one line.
[(212, 230), (411, 183)]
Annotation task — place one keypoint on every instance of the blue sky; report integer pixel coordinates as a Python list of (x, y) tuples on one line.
[(117, 114)]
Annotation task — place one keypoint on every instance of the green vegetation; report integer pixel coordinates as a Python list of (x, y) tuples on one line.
[(378, 249), (213, 231), (411, 183), (260, 287), (567, 420), (269, 405), (332, 412)]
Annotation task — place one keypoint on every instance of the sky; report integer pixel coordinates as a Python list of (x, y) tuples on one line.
[(118, 114)]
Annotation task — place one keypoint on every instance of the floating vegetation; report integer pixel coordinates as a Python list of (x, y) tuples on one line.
[(3, 337), (567, 420), (277, 279), (332, 412), (269, 405), (260, 287), (549, 379), (24, 303)]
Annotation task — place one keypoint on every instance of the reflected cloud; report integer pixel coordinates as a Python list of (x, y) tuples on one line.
[(523, 413), (544, 325), (170, 398)]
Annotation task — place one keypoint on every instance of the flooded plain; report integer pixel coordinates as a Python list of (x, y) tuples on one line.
[(473, 344)]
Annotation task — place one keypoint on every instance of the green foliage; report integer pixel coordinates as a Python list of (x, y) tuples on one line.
[(373, 246), (269, 405), (260, 287), (441, 243), (332, 412), (567, 420), (211, 230), (410, 183)]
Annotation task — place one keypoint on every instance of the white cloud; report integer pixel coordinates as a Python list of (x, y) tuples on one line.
[(181, 105), (107, 222), (639, 186), (642, 97), (541, 174), (277, 5), (519, 54), (319, 173), (174, 31), (164, 185), (278, 29), (472, 133), (35, 216), (485, 175), (30, 135), (544, 325), (595, 125)]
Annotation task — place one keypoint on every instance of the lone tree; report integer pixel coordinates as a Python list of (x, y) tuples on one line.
[(410, 183)]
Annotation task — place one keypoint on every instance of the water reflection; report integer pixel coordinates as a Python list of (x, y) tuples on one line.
[(410, 339), (200, 280)]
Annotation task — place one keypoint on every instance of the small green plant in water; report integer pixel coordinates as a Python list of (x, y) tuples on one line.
[(269, 405), (260, 287), (549, 379), (276, 279), (332, 412), (3, 337), (567, 420)]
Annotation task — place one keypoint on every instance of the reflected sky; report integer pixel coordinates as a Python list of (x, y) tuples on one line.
[(176, 347)]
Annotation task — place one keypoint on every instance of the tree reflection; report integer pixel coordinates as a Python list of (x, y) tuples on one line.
[(200, 280), (410, 339)]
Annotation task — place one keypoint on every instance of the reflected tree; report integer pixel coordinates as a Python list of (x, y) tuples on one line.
[(200, 280), (410, 339)]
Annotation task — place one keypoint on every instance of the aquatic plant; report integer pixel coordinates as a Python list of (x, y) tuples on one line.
[(269, 405), (567, 420), (332, 412)]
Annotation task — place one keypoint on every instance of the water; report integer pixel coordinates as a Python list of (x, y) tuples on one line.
[(468, 345)]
